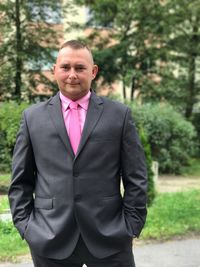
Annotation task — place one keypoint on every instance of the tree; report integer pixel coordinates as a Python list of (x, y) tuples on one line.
[(182, 39), (131, 26), (30, 33), (154, 47)]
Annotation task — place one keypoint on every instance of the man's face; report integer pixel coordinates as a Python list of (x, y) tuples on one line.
[(74, 71)]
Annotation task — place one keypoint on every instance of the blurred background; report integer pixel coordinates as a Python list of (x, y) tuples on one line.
[(148, 54)]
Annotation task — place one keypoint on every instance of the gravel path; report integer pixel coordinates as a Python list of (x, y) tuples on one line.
[(172, 183)]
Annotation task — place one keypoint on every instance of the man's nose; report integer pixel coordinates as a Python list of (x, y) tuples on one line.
[(72, 73)]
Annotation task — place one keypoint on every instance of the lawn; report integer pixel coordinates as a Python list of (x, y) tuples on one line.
[(11, 244), (4, 206), (172, 214)]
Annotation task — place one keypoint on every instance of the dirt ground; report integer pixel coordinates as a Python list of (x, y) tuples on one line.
[(170, 183)]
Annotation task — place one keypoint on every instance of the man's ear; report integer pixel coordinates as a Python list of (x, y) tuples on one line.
[(94, 71)]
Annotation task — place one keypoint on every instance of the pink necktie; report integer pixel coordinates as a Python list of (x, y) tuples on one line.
[(74, 126)]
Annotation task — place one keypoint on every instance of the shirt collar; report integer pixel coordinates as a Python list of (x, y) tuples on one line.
[(83, 101)]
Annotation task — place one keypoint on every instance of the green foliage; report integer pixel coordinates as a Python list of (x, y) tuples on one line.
[(4, 183), (11, 244), (195, 120), (181, 37), (151, 193), (29, 43), (158, 60), (171, 137), (4, 205), (193, 168), (10, 114), (173, 214), (121, 52)]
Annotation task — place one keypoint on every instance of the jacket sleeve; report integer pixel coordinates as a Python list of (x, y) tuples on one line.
[(134, 177), (21, 190)]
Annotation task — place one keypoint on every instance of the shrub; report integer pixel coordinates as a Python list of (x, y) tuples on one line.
[(10, 115), (171, 137), (151, 192)]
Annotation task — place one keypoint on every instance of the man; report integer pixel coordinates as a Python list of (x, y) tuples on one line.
[(70, 154)]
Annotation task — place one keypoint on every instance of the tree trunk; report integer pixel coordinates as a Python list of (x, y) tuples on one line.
[(191, 74), (124, 90), (191, 87), (132, 89), (18, 79)]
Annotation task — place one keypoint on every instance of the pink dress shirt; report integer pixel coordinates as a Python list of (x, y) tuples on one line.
[(82, 109)]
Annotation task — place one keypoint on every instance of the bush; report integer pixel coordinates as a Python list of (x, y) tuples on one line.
[(10, 115), (171, 137), (151, 192)]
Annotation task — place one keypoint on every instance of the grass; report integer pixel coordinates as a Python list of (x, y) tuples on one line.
[(4, 182), (4, 206), (173, 214), (170, 215), (11, 245), (193, 169)]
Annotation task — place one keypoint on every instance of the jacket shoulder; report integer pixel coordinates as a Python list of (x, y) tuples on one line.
[(114, 104), (37, 107)]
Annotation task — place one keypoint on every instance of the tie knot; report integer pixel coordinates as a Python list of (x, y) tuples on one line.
[(73, 105)]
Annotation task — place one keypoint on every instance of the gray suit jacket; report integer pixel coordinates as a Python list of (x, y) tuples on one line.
[(55, 195)]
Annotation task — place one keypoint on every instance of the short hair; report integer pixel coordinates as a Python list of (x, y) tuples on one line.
[(75, 44)]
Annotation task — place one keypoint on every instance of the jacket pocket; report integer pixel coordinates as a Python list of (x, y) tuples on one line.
[(115, 196), (43, 203)]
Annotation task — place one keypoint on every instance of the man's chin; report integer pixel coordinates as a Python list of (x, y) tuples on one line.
[(72, 93), (73, 85)]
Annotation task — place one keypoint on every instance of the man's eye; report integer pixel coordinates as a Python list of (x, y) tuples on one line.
[(65, 67), (80, 68)]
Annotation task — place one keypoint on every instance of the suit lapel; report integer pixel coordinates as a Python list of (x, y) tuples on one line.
[(93, 114), (55, 112)]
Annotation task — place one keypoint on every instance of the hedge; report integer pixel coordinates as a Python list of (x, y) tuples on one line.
[(151, 192), (170, 135), (10, 115)]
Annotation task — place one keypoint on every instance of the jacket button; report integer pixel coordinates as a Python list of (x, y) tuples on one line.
[(75, 174), (77, 197)]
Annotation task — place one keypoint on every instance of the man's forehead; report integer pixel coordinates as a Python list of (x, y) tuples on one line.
[(70, 54), (72, 62)]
